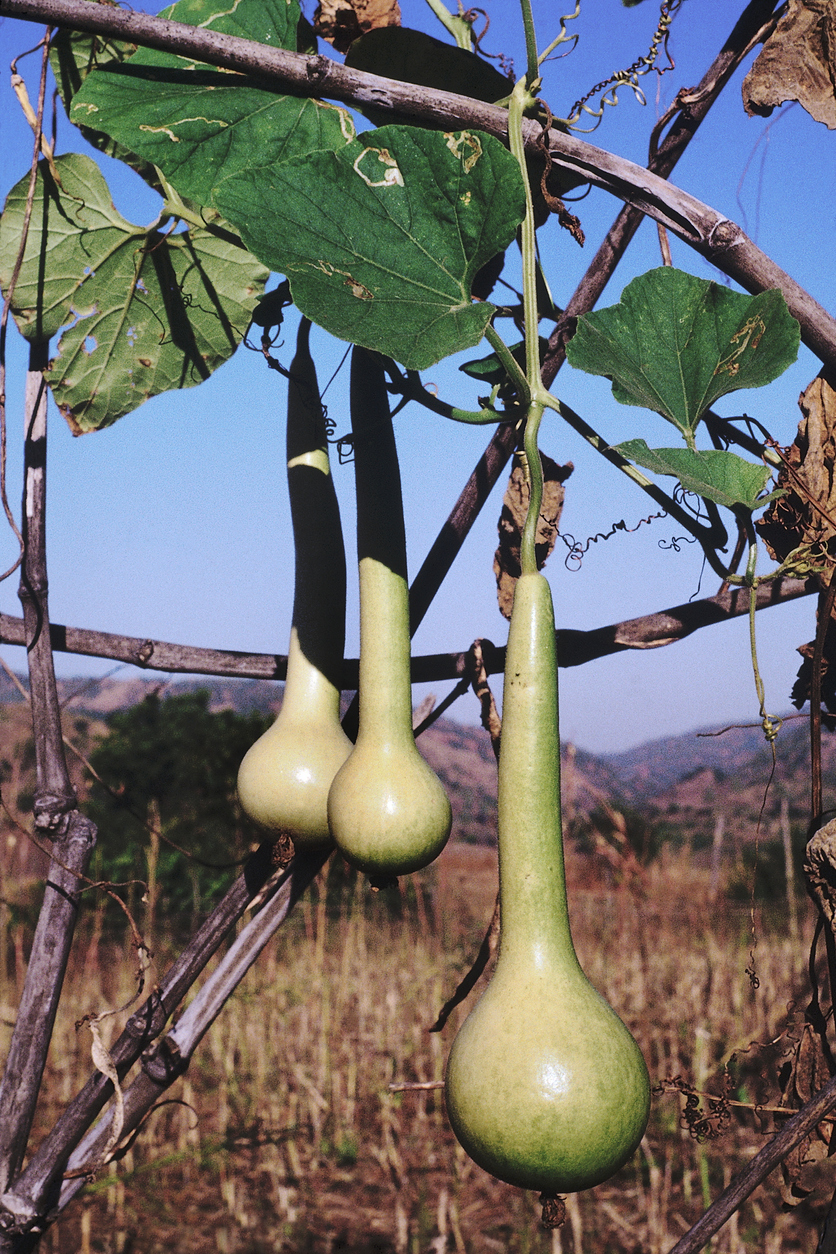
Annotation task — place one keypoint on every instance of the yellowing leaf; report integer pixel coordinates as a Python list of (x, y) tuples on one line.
[(139, 311)]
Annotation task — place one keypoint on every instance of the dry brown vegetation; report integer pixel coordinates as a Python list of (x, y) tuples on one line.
[(288, 1137)]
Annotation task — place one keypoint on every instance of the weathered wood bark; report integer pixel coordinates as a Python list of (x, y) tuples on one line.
[(710, 233), (650, 631), (56, 817)]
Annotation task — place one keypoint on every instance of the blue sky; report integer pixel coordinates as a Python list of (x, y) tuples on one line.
[(174, 523)]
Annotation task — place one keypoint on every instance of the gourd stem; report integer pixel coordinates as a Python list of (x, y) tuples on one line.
[(521, 98), (532, 60), (528, 551)]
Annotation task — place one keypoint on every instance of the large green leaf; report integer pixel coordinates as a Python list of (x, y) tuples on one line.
[(144, 312), (715, 474), (381, 240), (199, 124), (676, 343), (75, 54)]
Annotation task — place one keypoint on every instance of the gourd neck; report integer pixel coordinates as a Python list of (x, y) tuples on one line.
[(385, 685), (320, 582), (309, 695), (534, 911)]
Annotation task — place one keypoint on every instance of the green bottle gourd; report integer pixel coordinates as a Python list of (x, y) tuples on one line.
[(388, 811), (545, 1087), (285, 776)]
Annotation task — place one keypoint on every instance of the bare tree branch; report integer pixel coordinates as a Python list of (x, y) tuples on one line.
[(255, 882), (36, 1189), (710, 233), (651, 631), (170, 1058)]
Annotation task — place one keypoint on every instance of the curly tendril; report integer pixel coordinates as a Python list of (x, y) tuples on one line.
[(630, 76)]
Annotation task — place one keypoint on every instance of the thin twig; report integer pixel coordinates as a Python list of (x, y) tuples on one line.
[(808, 1117)]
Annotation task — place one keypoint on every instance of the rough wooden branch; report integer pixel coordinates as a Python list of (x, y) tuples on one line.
[(39, 1003), (54, 794), (73, 836), (29, 1196), (170, 1058), (713, 235), (651, 631)]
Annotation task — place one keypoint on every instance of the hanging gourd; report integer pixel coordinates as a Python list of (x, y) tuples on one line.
[(545, 1087), (284, 779), (388, 812)]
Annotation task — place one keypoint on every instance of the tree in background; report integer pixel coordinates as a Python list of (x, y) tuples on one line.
[(166, 807)]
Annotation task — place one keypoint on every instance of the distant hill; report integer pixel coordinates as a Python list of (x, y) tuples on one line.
[(680, 782)]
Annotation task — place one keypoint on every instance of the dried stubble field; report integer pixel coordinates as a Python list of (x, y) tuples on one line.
[(288, 1138)]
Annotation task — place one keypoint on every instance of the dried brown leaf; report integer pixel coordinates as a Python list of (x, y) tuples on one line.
[(806, 515), (808, 1073), (340, 22), (805, 518), (506, 562), (798, 62)]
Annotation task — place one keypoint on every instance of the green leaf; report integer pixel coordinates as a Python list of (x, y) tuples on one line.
[(676, 343), (147, 312), (490, 369), (381, 240), (715, 474), (73, 55), (199, 124)]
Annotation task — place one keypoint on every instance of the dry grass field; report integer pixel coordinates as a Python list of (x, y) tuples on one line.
[(287, 1136)]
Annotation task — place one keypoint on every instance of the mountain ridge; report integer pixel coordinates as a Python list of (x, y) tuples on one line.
[(678, 782)]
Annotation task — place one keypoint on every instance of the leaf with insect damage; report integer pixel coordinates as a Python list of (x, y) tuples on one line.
[(140, 312), (381, 240), (199, 124), (675, 343)]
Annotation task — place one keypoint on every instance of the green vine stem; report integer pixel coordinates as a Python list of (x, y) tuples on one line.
[(771, 727), (522, 98), (459, 27), (532, 60)]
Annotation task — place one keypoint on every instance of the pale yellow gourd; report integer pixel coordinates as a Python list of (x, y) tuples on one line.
[(388, 811), (284, 779), (545, 1087)]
